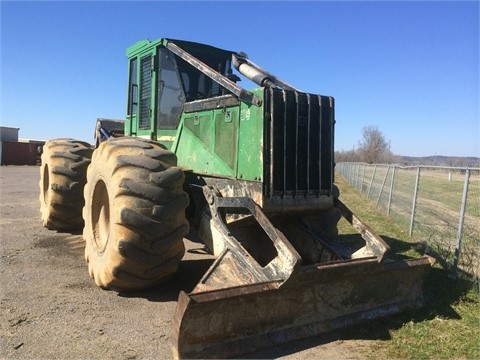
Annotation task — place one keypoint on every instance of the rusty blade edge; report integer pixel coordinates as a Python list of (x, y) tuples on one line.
[(198, 310), (242, 346), (220, 294)]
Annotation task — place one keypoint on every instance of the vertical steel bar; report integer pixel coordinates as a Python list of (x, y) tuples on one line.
[(414, 203), (297, 116), (320, 127), (273, 159), (309, 127), (285, 159), (460, 225)]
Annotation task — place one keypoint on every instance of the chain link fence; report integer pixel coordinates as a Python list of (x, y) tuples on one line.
[(439, 205)]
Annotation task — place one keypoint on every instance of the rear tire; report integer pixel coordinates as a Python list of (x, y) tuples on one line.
[(134, 214), (62, 178)]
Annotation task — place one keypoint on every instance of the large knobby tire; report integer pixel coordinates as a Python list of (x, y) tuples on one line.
[(134, 214), (62, 179)]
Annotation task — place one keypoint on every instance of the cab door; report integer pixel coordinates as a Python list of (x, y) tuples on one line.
[(140, 119)]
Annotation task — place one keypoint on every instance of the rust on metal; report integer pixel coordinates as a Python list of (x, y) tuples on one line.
[(315, 303), (253, 299)]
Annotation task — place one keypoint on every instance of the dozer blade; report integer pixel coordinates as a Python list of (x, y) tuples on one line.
[(230, 322), (244, 303)]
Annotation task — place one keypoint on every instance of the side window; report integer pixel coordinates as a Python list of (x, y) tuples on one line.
[(196, 84), (132, 89), (170, 91)]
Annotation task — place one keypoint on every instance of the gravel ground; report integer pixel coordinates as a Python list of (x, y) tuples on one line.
[(50, 308)]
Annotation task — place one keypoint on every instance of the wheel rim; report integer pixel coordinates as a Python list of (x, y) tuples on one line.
[(100, 216)]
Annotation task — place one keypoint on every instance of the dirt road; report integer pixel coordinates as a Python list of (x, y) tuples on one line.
[(50, 308)]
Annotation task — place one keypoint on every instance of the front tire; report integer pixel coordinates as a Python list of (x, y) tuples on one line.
[(134, 214), (62, 177)]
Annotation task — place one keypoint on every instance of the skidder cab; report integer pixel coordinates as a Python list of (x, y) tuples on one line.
[(251, 173)]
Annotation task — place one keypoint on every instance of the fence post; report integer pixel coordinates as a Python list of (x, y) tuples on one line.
[(391, 191), (383, 184), (371, 181), (414, 201), (453, 275)]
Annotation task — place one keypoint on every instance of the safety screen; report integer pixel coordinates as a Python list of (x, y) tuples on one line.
[(145, 92)]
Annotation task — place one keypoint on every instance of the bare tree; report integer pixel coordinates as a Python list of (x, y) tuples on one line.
[(347, 156), (373, 146)]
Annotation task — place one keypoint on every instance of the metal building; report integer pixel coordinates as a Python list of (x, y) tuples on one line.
[(8, 133), (15, 152)]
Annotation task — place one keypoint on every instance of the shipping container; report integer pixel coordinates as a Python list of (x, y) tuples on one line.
[(17, 153)]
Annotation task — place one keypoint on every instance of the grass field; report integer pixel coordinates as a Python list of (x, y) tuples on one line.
[(447, 327)]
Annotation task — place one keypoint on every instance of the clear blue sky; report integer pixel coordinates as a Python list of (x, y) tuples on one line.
[(409, 68)]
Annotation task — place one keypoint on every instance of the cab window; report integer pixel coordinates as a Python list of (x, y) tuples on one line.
[(171, 96)]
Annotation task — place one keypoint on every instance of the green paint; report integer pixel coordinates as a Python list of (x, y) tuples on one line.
[(224, 141)]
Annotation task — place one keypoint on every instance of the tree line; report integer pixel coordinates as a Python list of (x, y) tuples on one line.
[(374, 149)]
